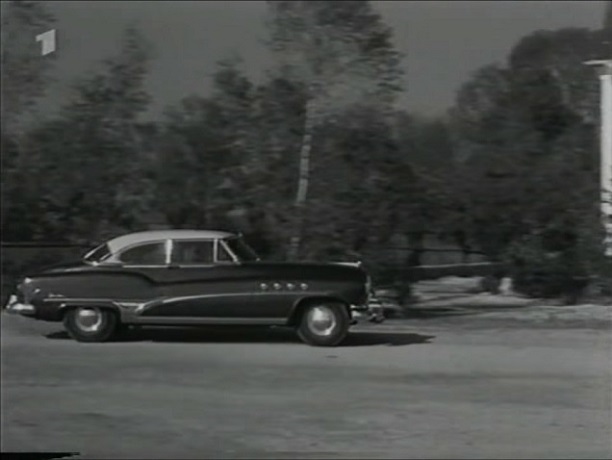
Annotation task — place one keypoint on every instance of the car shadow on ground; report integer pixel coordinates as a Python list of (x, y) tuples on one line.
[(424, 312), (433, 313), (356, 339), (252, 335)]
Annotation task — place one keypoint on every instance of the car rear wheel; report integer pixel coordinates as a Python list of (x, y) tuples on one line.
[(324, 324), (91, 324)]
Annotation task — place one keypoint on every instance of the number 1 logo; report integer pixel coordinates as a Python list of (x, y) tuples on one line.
[(47, 39)]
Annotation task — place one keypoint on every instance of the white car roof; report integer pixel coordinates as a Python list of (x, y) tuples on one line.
[(116, 244)]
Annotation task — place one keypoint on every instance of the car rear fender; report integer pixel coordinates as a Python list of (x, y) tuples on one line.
[(300, 305)]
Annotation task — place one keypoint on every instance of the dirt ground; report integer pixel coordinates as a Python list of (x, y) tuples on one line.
[(434, 386)]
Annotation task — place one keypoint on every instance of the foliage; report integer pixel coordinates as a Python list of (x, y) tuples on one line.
[(520, 132), (341, 54), (204, 144), (511, 171), (25, 72), (75, 172), (341, 51)]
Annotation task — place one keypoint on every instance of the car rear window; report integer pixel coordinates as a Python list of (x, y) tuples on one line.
[(193, 252)]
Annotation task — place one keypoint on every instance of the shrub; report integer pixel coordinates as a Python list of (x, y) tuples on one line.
[(538, 271)]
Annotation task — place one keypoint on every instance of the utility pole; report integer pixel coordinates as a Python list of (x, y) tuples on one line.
[(605, 77)]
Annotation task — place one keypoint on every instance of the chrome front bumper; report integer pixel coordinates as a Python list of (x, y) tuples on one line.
[(372, 312), (15, 307)]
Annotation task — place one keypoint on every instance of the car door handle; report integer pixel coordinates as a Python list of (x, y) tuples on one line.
[(174, 266)]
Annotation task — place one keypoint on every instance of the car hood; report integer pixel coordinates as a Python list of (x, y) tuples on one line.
[(63, 267)]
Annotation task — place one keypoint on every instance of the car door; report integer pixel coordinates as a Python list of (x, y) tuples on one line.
[(199, 284), (146, 265)]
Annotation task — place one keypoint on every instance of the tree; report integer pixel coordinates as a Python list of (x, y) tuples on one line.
[(425, 141), (189, 163), (83, 166), (25, 72), (559, 56), (277, 123), (341, 53), (352, 168), (520, 131), (206, 149)]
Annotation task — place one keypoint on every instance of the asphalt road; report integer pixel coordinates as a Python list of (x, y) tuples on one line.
[(417, 389)]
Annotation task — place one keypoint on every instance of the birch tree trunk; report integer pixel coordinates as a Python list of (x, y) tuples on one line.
[(303, 181)]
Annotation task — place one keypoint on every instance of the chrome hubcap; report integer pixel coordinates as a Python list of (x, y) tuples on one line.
[(89, 319), (321, 320)]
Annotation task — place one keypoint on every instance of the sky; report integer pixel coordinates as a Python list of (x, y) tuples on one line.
[(443, 42)]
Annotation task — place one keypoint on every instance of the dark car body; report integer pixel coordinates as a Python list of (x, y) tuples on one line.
[(187, 277)]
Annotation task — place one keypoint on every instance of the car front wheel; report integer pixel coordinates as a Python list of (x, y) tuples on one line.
[(91, 324), (324, 324)]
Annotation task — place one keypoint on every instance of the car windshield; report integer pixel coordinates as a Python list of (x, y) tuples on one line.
[(97, 254), (241, 249)]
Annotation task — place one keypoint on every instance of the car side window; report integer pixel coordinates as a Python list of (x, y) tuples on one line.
[(193, 252), (145, 254), (222, 255)]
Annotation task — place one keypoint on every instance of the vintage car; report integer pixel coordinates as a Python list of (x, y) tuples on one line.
[(190, 278)]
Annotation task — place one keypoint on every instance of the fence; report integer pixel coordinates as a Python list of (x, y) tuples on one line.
[(19, 258), (438, 256)]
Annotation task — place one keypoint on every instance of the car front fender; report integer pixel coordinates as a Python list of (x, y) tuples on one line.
[(299, 304)]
